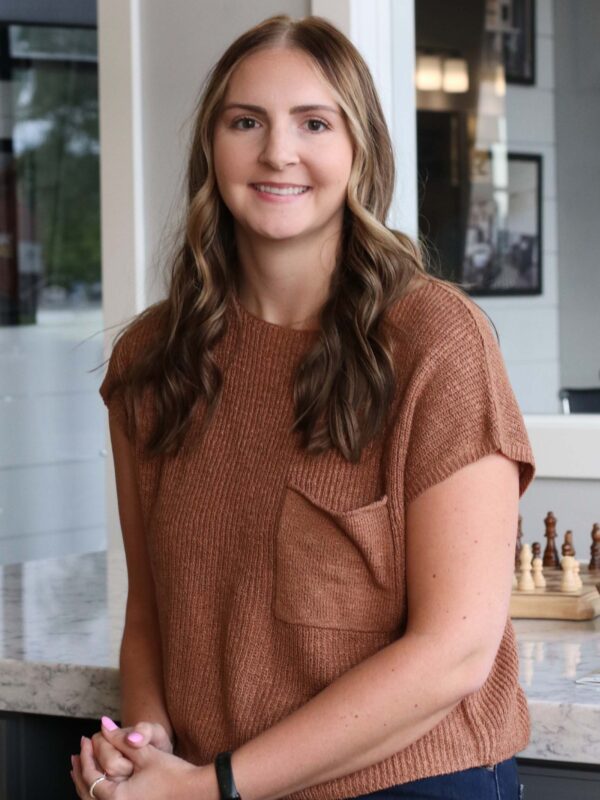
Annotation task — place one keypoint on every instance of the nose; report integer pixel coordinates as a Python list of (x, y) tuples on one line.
[(279, 150)]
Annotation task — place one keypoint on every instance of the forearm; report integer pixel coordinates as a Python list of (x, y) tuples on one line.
[(142, 693), (372, 711)]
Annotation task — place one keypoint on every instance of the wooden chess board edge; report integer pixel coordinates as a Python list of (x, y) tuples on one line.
[(581, 605)]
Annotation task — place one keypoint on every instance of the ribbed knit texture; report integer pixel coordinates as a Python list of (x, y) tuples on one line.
[(277, 571)]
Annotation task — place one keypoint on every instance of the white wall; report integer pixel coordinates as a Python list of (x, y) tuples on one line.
[(529, 326), (577, 27)]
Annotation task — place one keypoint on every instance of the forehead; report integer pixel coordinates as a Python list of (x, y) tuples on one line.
[(279, 74)]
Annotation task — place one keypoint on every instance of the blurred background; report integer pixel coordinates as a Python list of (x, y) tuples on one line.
[(52, 439)]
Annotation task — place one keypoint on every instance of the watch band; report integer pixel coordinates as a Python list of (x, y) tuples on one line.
[(227, 787)]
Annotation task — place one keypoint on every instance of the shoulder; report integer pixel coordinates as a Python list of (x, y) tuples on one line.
[(137, 334), (436, 318), (127, 346), (456, 403)]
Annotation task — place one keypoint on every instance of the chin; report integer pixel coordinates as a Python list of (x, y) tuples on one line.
[(279, 234)]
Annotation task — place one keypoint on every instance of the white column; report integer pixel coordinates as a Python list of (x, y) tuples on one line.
[(121, 173), (121, 191), (404, 212)]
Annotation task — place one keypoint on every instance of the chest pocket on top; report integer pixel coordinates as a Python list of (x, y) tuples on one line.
[(335, 569)]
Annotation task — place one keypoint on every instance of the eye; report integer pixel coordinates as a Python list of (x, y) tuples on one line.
[(244, 123), (317, 125)]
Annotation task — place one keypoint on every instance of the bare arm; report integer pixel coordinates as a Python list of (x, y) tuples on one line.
[(142, 696), (458, 607)]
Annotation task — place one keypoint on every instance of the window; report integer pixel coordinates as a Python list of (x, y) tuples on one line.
[(51, 423)]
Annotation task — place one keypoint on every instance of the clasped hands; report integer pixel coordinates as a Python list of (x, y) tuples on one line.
[(139, 765)]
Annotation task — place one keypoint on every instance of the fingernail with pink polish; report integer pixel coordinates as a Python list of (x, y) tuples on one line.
[(109, 724), (135, 738)]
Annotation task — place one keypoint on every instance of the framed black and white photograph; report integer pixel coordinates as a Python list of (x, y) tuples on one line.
[(518, 40), (503, 247)]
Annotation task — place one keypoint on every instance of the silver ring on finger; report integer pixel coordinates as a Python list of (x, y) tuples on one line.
[(95, 783)]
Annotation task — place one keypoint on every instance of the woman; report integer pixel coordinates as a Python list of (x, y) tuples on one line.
[(318, 460)]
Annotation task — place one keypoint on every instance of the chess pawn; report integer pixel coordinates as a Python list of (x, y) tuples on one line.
[(525, 583), (595, 549), (538, 575), (567, 549), (551, 553), (578, 581), (567, 581), (569, 541)]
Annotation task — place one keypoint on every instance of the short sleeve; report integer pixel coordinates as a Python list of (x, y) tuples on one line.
[(111, 389), (462, 406)]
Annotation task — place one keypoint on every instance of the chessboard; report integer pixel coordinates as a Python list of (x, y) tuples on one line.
[(550, 603), (553, 587)]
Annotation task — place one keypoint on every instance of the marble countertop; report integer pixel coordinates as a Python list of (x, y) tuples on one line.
[(60, 631)]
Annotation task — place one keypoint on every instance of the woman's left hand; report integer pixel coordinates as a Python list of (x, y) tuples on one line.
[(156, 775)]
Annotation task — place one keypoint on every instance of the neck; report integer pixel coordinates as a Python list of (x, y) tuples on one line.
[(285, 284)]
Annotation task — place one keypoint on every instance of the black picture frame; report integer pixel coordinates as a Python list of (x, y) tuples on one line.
[(518, 41), (504, 257)]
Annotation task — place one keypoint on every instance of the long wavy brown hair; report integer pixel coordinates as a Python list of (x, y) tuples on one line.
[(344, 384)]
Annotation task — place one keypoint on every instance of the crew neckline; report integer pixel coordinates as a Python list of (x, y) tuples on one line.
[(261, 324)]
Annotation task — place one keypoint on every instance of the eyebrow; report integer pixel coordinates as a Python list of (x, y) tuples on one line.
[(294, 110)]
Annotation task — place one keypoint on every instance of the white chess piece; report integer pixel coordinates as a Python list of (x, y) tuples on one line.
[(525, 583), (538, 574), (578, 581), (568, 582)]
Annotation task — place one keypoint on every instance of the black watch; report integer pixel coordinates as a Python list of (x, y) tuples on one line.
[(227, 787)]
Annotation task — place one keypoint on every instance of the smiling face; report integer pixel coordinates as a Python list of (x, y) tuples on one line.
[(282, 151)]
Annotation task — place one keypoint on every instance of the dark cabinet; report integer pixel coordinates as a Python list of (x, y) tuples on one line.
[(35, 755)]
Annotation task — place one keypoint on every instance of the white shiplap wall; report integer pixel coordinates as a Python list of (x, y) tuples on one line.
[(528, 326)]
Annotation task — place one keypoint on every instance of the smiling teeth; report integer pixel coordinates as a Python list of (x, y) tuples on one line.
[(288, 190)]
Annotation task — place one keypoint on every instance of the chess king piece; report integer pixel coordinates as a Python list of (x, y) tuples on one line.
[(525, 582), (538, 575), (595, 549), (519, 542), (568, 582), (550, 553)]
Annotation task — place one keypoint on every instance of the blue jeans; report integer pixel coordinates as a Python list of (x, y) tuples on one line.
[(499, 782)]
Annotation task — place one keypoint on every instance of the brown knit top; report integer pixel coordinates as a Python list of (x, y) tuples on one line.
[(277, 571)]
